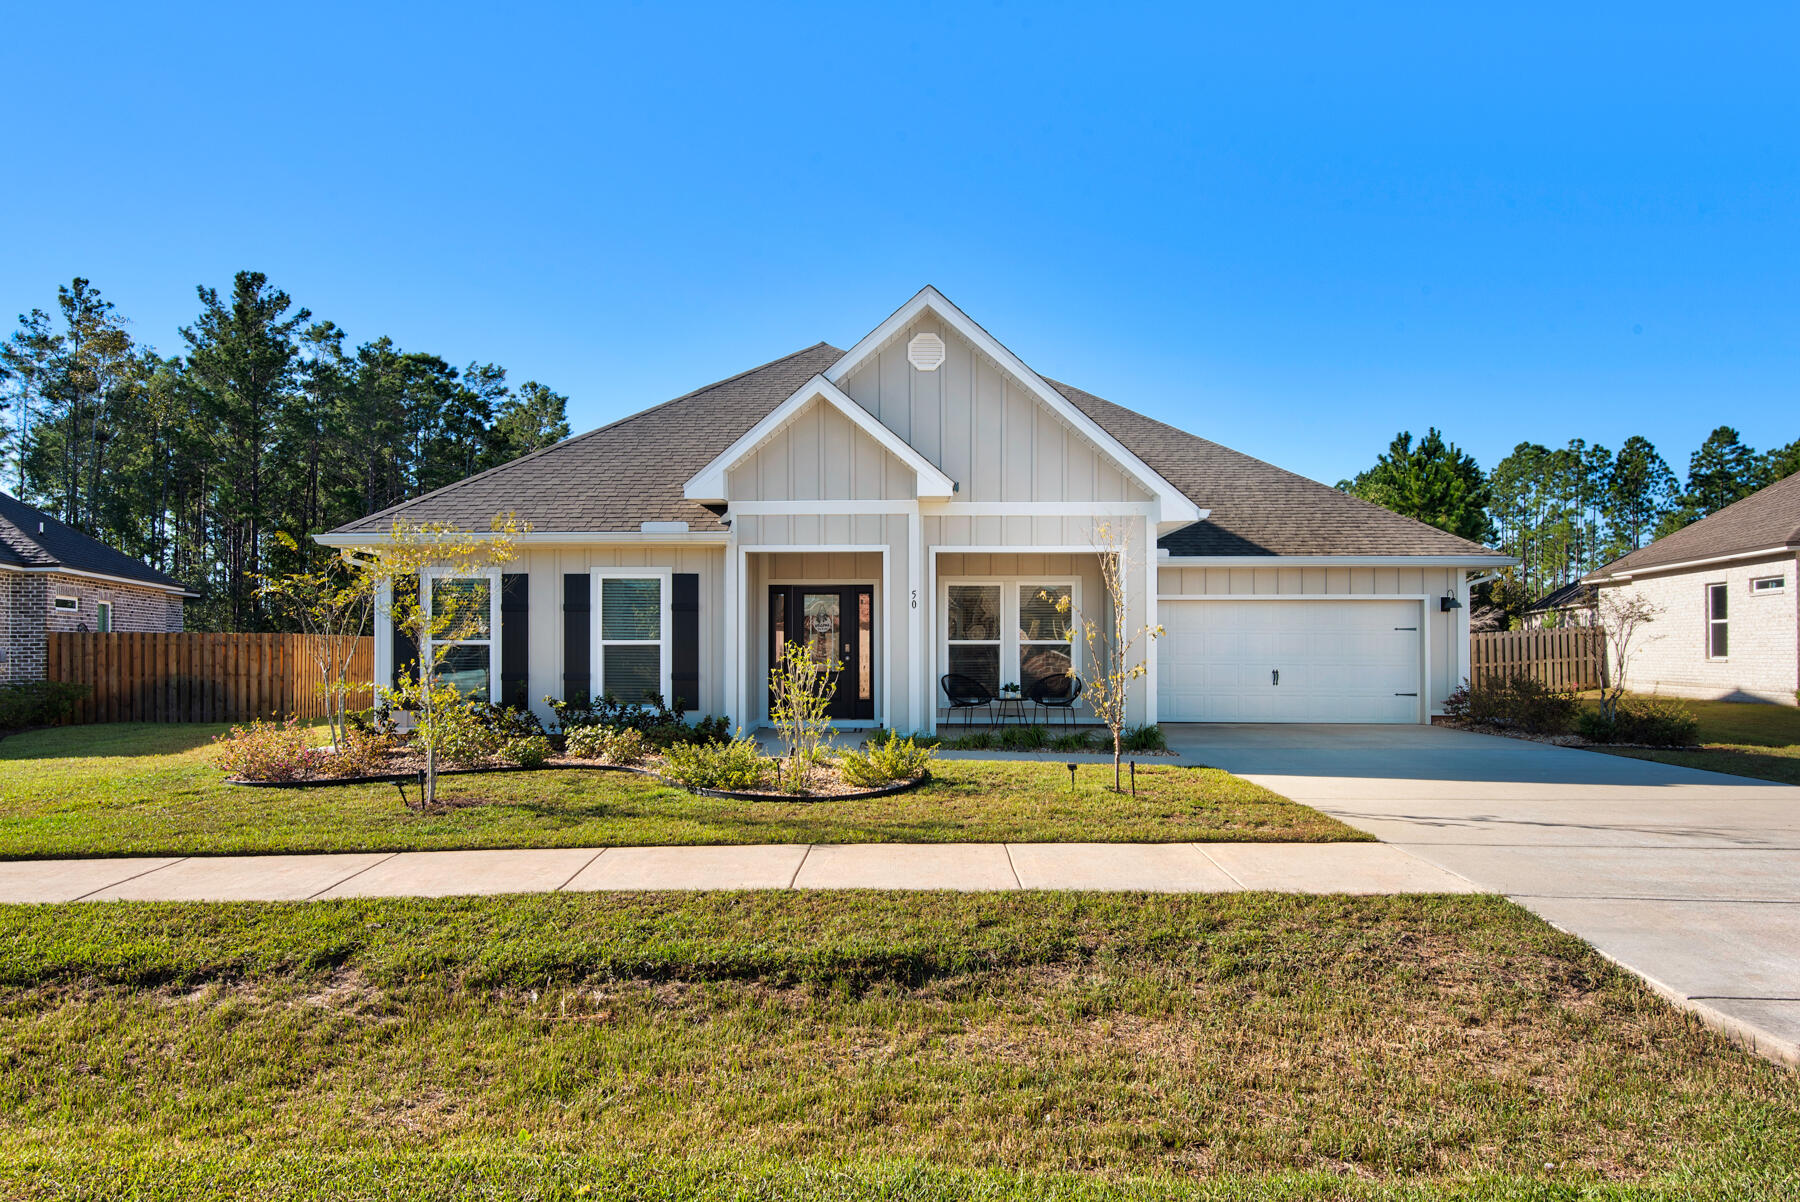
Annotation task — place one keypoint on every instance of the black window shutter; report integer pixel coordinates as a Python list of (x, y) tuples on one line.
[(515, 639), (684, 641), (406, 651), (576, 636)]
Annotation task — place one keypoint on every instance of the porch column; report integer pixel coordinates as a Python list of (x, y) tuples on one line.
[(384, 632)]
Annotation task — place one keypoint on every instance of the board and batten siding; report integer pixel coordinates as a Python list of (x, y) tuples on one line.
[(821, 456), (547, 566), (1443, 632), (981, 427)]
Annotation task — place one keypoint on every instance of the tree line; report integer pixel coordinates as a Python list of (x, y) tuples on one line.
[(217, 465), (1565, 511)]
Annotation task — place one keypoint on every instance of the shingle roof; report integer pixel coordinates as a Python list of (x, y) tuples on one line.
[(632, 471), (1574, 593), (1767, 518), (31, 538)]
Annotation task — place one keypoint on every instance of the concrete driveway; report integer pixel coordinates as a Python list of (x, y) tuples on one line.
[(1690, 879)]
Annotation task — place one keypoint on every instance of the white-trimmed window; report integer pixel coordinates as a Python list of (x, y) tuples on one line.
[(465, 613), (1009, 631), (1718, 634), (1763, 586), (103, 616), (67, 605), (631, 655)]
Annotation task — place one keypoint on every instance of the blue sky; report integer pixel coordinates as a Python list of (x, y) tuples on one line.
[(1292, 229)]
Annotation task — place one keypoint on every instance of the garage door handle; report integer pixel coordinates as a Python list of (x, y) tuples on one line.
[(1406, 694), (1275, 676), (1406, 628)]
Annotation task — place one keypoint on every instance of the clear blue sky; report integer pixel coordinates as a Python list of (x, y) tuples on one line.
[(1295, 230)]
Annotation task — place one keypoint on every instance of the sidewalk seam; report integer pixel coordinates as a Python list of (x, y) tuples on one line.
[(134, 876), (352, 876), (1229, 875), (1012, 867), (585, 865), (801, 864)]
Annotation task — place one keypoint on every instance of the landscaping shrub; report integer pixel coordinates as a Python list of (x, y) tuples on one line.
[(38, 702), (1145, 738), (1022, 738), (975, 740), (378, 719), (884, 761), (1594, 726), (527, 751), (268, 751), (735, 764), (622, 747), (363, 752), (1520, 702), (1651, 721), (660, 725), (478, 732), (1078, 740)]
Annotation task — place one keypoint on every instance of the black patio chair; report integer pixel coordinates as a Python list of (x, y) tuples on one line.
[(965, 693), (1056, 693)]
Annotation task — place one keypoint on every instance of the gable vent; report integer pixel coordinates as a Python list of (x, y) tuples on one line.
[(925, 352)]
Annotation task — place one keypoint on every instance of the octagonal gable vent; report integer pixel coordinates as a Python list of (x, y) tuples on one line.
[(925, 352)]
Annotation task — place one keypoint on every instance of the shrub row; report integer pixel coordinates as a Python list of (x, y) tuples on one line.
[(38, 702), (1524, 703)]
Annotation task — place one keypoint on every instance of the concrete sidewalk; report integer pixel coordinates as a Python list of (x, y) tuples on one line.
[(1151, 867)]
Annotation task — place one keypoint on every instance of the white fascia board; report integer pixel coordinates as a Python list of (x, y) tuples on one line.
[(1686, 564), (567, 538), (1337, 561), (708, 484), (59, 570), (1175, 506)]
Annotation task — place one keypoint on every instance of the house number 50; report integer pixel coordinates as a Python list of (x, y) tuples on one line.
[(915, 598)]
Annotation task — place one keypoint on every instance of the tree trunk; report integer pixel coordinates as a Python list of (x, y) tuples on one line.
[(1118, 754)]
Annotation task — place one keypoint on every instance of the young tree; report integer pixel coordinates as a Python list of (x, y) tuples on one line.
[(450, 616), (800, 689), (1622, 620), (1113, 658), (1434, 482), (1640, 491), (330, 606)]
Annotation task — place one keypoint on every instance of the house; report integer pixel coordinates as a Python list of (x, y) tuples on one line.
[(1570, 605), (53, 577), (922, 503), (1726, 589)]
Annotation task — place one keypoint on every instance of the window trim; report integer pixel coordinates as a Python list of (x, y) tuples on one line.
[(1723, 589), (103, 611), (492, 576), (597, 644), (73, 606), (1009, 640), (1775, 590)]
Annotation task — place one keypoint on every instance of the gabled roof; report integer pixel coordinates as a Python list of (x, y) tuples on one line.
[(1573, 595), (32, 540), (635, 470), (708, 484), (1767, 519)]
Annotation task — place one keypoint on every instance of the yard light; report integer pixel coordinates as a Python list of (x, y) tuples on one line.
[(1071, 767), (1134, 778)]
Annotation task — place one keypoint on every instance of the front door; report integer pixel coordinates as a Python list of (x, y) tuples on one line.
[(838, 622)]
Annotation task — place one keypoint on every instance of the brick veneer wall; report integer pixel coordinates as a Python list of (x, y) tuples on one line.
[(1763, 631), (30, 612)]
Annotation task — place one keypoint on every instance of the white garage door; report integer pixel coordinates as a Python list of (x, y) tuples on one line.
[(1288, 661)]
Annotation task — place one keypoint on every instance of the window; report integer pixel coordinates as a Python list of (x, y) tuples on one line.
[(67, 605), (464, 613), (1009, 631), (103, 617), (631, 634), (1768, 584), (1718, 642)]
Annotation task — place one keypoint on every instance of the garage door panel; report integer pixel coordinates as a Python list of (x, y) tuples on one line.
[(1339, 661)]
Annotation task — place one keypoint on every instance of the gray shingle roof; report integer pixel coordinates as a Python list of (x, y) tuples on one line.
[(1768, 517), (31, 538), (632, 471)]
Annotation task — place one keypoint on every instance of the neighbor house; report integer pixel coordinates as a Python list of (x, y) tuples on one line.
[(56, 578), (1725, 590), (922, 504), (1570, 605)]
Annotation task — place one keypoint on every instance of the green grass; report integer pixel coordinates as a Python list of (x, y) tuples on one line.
[(860, 1046), (1740, 737), (152, 790)]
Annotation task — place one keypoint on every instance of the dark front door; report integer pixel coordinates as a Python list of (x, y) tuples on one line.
[(838, 622)]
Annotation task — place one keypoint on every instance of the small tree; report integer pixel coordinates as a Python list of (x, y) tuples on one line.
[(1112, 646), (800, 689), (331, 607), (1622, 619), (450, 551)]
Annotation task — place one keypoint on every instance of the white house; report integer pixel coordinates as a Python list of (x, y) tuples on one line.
[(1728, 625), (918, 504)]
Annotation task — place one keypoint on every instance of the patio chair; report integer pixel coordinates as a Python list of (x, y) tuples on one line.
[(1056, 693), (965, 693)]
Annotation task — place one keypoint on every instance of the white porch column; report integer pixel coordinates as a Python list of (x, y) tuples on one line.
[(734, 628), (384, 633), (917, 661), (1152, 652)]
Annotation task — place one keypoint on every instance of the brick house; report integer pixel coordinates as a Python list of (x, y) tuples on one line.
[(1726, 585), (53, 577)]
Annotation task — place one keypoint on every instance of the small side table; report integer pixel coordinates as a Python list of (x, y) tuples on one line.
[(1011, 705)]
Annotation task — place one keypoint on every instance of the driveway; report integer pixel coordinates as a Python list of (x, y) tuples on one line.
[(1690, 879)]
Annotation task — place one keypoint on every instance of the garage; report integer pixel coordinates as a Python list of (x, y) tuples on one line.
[(1276, 660)]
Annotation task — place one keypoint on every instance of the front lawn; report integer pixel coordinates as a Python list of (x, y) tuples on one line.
[(921, 1047), (1740, 737), (134, 789)]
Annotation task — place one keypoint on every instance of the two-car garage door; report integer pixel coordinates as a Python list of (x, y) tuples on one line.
[(1288, 661)]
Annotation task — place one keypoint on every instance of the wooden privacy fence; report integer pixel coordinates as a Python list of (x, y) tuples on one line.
[(1570, 657), (193, 677)]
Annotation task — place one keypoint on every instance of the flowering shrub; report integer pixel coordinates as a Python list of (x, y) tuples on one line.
[(362, 752), (609, 746), (268, 751)]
